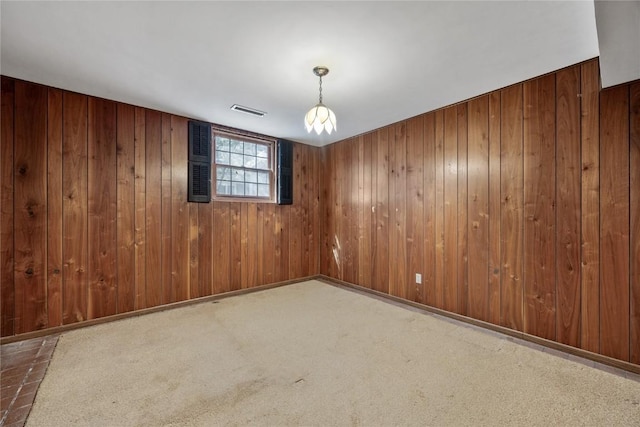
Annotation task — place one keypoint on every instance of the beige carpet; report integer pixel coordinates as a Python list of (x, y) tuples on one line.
[(315, 354)]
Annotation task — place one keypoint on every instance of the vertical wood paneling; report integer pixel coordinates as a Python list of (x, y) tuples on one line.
[(512, 208), (222, 247), (439, 209), (568, 171), (364, 250), (180, 208), (539, 206), (590, 208), (429, 275), (74, 208), (614, 223), (102, 208), (194, 290), (54, 208), (354, 205), (295, 236), (235, 274), (166, 286), (7, 284), (381, 256), (450, 182), (155, 262), (30, 206), (494, 208), (206, 262), (269, 242), (415, 205), (140, 207), (249, 250), (125, 219), (478, 197), (398, 267), (463, 202), (634, 182)]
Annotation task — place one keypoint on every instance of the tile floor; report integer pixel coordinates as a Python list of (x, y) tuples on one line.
[(23, 365)]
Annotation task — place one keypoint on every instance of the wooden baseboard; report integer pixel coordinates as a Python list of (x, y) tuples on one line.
[(65, 328), (594, 357)]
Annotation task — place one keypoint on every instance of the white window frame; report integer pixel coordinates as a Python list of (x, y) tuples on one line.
[(271, 146)]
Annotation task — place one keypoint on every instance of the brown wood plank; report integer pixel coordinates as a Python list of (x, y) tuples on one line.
[(429, 170), (235, 221), (102, 188), (415, 205), (54, 208), (261, 248), (179, 209), (7, 283), (205, 249), (317, 208), (362, 230), (398, 239), (539, 207), (221, 247), (345, 162), (634, 182), (74, 208), (155, 262), (478, 208), (296, 227), (166, 285), (439, 210), (494, 208), (125, 219), (381, 256), (140, 206), (30, 206), (250, 256), (614, 222), (269, 243), (354, 205), (450, 182), (568, 171), (305, 194), (366, 253), (512, 208), (195, 290), (371, 139), (462, 213), (590, 213)]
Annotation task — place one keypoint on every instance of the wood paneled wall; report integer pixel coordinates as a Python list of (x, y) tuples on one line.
[(95, 221), (520, 208)]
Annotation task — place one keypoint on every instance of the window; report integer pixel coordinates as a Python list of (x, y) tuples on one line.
[(243, 167)]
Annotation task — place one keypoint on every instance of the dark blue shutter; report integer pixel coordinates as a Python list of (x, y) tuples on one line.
[(285, 172), (199, 177)]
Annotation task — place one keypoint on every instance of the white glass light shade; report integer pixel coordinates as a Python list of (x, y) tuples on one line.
[(320, 118)]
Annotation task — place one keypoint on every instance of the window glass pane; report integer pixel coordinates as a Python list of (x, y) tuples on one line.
[(237, 189), (249, 162), (250, 148), (251, 189), (237, 175), (263, 177), (236, 160), (223, 187), (262, 163), (250, 176), (263, 190), (236, 146), (223, 173), (222, 157), (222, 144), (262, 150)]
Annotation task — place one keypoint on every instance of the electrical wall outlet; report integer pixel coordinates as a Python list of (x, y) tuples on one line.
[(418, 278)]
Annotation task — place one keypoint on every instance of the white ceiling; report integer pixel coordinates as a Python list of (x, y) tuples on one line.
[(388, 60)]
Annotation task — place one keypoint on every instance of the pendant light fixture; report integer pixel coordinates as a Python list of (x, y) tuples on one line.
[(320, 117)]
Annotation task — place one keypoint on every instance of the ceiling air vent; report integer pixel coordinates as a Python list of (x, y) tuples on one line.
[(248, 110)]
